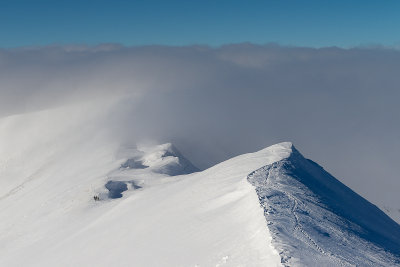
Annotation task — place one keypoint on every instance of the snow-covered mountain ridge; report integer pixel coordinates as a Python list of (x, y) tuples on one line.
[(155, 208), (53, 163), (316, 220)]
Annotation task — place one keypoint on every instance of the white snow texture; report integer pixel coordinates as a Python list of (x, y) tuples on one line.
[(155, 208)]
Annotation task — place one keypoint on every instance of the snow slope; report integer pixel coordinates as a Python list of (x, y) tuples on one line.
[(317, 221), (155, 208), (52, 164)]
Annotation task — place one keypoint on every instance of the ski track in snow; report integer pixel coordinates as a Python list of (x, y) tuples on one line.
[(286, 203), (299, 229), (311, 242), (298, 226), (209, 218)]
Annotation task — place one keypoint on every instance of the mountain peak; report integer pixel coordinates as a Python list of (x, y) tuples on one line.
[(288, 146), (164, 158), (313, 217)]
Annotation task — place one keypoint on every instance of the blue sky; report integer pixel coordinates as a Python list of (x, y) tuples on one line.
[(299, 23)]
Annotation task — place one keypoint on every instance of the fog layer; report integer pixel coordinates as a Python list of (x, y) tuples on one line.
[(338, 106)]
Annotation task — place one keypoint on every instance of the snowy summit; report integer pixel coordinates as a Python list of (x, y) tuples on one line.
[(78, 200)]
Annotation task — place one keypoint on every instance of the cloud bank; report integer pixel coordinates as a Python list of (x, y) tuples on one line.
[(338, 106)]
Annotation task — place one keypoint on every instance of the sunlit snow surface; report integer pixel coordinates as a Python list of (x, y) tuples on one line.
[(317, 221), (53, 163), (155, 208)]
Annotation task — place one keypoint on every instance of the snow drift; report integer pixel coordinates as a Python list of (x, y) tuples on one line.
[(155, 208)]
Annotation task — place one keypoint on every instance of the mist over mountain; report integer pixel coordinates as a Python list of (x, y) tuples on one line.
[(337, 105), (199, 133), (73, 194)]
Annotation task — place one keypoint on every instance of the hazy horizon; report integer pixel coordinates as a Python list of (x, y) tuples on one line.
[(338, 106)]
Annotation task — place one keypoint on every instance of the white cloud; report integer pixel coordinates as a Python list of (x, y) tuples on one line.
[(339, 107)]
